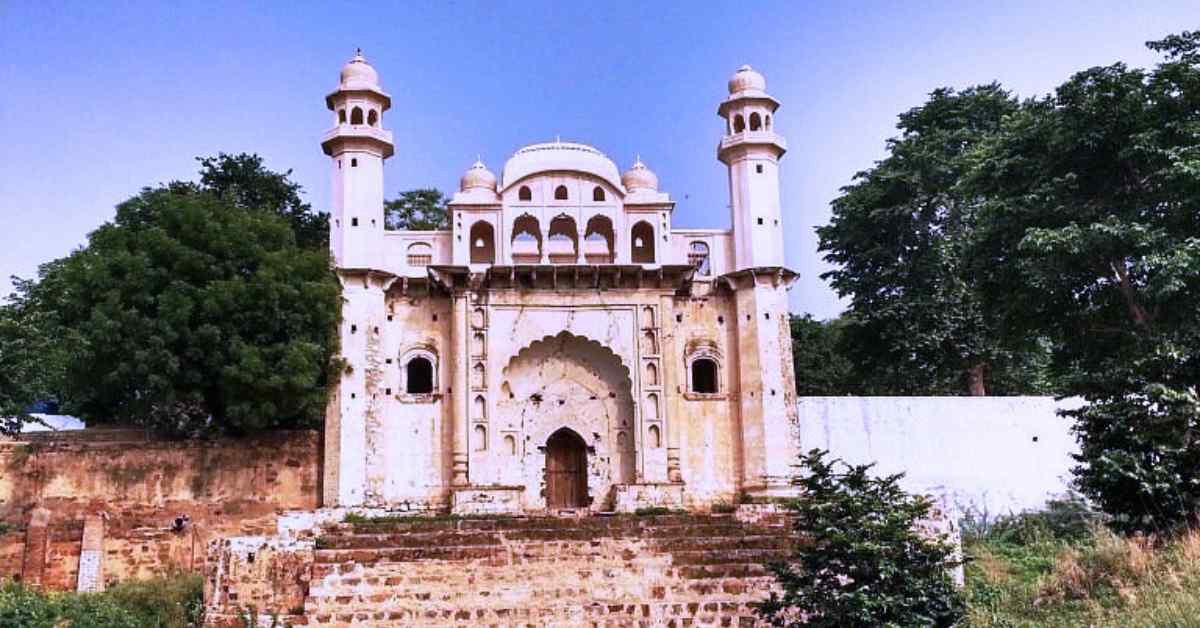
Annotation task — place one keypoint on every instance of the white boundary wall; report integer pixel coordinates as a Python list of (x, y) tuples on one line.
[(983, 455)]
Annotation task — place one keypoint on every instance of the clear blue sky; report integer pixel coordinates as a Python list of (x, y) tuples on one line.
[(104, 98)]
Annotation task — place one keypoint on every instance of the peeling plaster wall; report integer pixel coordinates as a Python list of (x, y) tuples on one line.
[(992, 455)]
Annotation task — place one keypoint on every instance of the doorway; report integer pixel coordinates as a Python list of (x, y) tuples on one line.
[(566, 470)]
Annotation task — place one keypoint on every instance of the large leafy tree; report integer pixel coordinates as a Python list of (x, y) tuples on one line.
[(916, 322), (821, 367), (1091, 235), (34, 348), (417, 210), (243, 180), (190, 313)]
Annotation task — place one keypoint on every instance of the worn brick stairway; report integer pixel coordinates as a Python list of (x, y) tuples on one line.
[(669, 570)]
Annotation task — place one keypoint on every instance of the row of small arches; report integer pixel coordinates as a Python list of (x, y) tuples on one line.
[(560, 194), (756, 123), (356, 116), (653, 434)]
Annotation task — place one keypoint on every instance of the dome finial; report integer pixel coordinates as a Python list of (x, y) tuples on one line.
[(639, 177), (747, 79)]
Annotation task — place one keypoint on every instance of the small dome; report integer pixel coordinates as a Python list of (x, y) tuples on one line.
[(358, 74), (639, 177), (477, 176), (746, 79)]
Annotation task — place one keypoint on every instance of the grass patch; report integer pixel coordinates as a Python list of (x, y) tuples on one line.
[(1028, 571), (169, 602)]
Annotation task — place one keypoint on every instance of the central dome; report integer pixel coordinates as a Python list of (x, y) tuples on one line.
[(560, 157)]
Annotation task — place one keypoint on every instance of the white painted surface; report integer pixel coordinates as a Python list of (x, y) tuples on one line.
[(983, 455)]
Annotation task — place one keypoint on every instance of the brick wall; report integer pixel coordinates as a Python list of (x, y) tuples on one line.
[(138, 486)]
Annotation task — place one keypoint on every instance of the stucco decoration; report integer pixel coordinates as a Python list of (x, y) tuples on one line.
[(566, 381)]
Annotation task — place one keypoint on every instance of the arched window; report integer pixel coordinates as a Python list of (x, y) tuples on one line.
[(372, 118), (420, 254), (655, 437), (483, 243), (341, 116), (563, 240), (642, 243), (598, 240), (739, 123), (704, 376), (698, 257), (525, 194), (356, 116), (755, 122), (597, 194), (526, 240), (480, 438), (560, 193), (510, 445), (418, 376), (767, 123)]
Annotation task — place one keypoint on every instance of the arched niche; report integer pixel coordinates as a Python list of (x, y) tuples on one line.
[(599, 240), (526, 240), (651, 374), (563, 240), (641, 243), (483, 243)]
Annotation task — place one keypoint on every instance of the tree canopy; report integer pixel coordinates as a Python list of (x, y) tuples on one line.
[(248, 184), (417, 210)]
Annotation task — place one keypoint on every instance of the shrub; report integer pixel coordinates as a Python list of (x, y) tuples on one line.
[(170, 602), (860, 558)]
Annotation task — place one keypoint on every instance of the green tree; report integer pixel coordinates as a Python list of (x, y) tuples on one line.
[(417, 210), (916, 323), (1090, 235), (34, 347), (194, 314), (821, 368), (248, 184), (861, 558)]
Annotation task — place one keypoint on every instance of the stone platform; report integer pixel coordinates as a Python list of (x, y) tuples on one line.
[(622, 570)]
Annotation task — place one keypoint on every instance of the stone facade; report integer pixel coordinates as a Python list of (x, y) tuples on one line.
[(561, 346)]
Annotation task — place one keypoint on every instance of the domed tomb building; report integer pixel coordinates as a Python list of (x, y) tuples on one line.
[(561, 346)]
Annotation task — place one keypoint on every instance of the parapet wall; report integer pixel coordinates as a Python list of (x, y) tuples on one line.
[(976, 455), (113, 496)]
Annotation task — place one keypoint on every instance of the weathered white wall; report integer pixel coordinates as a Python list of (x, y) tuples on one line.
[(986, 455)]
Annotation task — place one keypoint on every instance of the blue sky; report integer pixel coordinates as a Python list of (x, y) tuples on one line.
[(102, 99)]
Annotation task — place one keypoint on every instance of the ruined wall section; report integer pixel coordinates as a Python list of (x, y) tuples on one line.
[(137, 487)]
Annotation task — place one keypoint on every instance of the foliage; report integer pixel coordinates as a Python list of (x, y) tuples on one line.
[(171, 602), (248, 184), (899, 234), (1089, 235), (821, 367), (861, 559), (34, 349), (1088, 577), (189, 313), (417, 210)]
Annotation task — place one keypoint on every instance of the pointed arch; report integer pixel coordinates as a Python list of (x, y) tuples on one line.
[(483, 243), (641, 242), (563, 240), (356, 116), (526, 240), (598, 240)]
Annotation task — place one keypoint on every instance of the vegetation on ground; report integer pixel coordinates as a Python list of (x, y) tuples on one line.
[(169, 602), (1044, 569)]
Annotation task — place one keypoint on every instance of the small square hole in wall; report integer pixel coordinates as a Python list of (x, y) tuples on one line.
[(353, 328), (720, 320), (389, 318), (377, 329), (353, 396), (354, 222), (679, 318), (767, 315), (435, 318), (353, 163), (389, 360), (758, 168), (389, 391), (747, 317), (760, 221)]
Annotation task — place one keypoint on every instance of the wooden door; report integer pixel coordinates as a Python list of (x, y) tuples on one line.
[(566, 471)]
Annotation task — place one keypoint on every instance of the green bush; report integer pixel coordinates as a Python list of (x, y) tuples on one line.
[(860, 559), (170, 602)]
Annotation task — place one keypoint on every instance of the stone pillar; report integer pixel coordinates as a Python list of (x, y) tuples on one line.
[(37, 536), (460, 368), (91, 556)]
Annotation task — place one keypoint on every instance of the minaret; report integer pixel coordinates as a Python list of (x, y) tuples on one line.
[(751, 149), (766, 376), (358, 145)]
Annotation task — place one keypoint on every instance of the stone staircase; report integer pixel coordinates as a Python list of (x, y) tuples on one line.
[(667, 570)]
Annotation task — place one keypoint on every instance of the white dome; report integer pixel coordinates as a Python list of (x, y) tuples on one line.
[(559, 156), (639, 177), (746, 79), (477, 176), (358, 74)]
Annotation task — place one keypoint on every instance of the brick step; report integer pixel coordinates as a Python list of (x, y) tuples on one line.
[(741, 538), (340, 537), (584, 613)]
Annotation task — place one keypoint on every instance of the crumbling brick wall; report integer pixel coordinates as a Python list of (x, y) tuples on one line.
[(140, 486)]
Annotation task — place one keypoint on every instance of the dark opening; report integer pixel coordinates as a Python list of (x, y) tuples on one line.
[(560, 193), (419, 376), (642, 243), (566, 470), (704, 376), (356, 116), (598, 193), (524, 194)]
